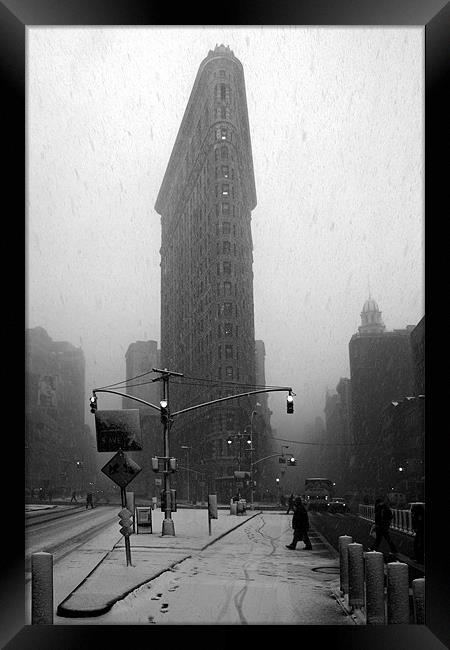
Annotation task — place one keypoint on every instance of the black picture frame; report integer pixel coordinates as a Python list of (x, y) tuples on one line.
[(434, 16)]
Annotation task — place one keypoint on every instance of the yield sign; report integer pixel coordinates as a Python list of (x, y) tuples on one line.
[(121, 469)]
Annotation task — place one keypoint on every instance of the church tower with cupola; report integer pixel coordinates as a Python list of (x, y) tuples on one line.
[(371, 321)]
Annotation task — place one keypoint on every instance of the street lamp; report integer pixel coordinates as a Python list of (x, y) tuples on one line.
[(188, 482), (251, 453)]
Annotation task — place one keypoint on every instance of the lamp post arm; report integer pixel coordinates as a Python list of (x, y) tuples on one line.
[(265, 458), (223, 399), (136, 399)]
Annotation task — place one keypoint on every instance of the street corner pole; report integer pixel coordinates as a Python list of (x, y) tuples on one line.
[(168, 526)]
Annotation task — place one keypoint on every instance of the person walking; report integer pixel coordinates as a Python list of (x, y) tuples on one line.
[(73, 498), (89, 501), (418, 525), (383, 518), (300, 524), (290, 504)]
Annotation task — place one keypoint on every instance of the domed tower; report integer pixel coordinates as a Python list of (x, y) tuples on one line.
[(371, 321)]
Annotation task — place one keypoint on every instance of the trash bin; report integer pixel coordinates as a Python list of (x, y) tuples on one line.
[(144, 519)]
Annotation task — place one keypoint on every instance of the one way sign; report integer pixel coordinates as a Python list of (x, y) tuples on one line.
[(121, 469)]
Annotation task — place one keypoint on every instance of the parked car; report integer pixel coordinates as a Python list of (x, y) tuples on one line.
[(338, 505)]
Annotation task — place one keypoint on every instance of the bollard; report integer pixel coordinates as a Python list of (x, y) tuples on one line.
[(355, 575), (42, 589), (397, 593), (344, 541), (233, 508), (418, 587), (375, 607)]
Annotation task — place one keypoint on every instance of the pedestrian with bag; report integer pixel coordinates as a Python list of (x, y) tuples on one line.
[(383, 518), (300, 524)]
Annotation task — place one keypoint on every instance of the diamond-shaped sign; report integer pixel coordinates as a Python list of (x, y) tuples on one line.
[(121, 469)]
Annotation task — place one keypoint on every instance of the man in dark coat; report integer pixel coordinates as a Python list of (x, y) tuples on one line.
[(300, 524), (290, 504), (383, 518)]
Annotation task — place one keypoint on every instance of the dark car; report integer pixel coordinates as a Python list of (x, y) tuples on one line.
[(338, 505)]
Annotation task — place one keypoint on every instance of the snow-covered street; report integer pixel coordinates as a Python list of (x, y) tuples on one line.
[(246, 577)]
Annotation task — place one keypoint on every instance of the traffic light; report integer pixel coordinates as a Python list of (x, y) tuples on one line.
[(125, 521), (173, 464), (292, 461), (155, 463), (164, 411), (290, 404), (93, 403)]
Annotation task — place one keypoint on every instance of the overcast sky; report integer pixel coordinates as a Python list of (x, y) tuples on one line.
[(336, 121)]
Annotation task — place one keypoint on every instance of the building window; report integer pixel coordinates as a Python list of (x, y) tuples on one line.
[(221, 73), (228, 352), (228, 329), (225, 171), (225, 208), (229, 372), (219, 351), (223, 91), (227, 288), (223, 134), (230, 422), (223, 113), (227, 267), (226, 247), (226, 227), (227, 309), (223, 153), (216, 154), (225, 189)]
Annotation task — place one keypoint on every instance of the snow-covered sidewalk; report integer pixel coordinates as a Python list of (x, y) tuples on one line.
[(151, 555)]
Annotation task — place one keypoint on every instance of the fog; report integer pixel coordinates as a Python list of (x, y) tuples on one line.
[(336, 122)]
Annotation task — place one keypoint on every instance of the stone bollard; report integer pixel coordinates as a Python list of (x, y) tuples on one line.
[(397, 593), (355, 575), (42, 589), (375, 607), (344, 541), (418, 587)]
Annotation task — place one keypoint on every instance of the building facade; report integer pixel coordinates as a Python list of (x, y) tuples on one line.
[(59, 447), (140, 358), (381, 370), (207, 316)]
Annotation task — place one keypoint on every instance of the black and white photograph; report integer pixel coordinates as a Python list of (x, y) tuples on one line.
[(225, 326)]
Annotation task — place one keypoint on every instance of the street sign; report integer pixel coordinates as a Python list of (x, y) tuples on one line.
[(158, 481), (118, 430), (121, 469)]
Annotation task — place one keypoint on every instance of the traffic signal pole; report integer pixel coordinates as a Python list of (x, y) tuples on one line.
[(168, 527)]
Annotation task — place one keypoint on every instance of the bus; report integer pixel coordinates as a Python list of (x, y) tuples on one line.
[(318, 493)]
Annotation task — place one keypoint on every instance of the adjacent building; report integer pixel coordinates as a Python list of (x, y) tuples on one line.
[(381, 368), (207, 316), (59, 447)]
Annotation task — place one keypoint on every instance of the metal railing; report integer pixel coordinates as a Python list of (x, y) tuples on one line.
[(401, 519)]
